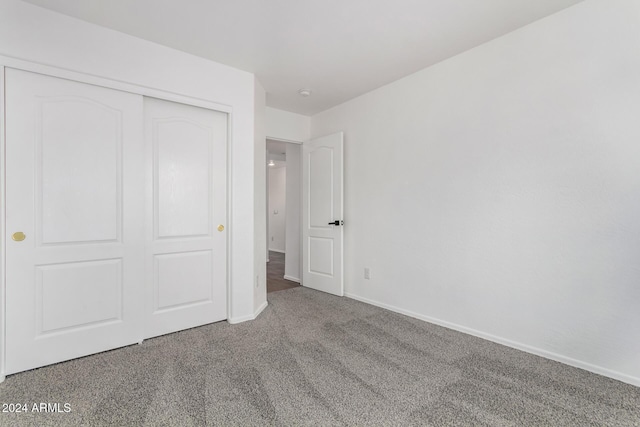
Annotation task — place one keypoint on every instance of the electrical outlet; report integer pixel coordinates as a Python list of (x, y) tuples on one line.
[(367, 273), (257, 281)]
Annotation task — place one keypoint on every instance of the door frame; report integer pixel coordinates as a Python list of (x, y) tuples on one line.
[(2, 229), (288, 141), (19, 64)]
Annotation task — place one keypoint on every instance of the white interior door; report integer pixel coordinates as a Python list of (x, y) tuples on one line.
[(74, 219), (322, 224), (186, 241)]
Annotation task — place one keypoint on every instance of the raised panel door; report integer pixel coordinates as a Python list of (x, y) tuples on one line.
[(75, 273), (186, 255), (322, 235)]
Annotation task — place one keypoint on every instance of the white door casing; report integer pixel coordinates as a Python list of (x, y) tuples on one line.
[(186, 251), (73, 156), (322, 204)]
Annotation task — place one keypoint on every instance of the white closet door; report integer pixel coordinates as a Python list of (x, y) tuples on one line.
[(186, 240), (75, 219)]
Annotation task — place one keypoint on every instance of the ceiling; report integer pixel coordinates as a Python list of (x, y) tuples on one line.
[(338, 49)]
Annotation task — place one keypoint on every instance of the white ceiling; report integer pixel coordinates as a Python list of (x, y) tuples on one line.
[(339, 49)]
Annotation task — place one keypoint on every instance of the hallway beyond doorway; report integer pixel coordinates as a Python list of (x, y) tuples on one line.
[(275, 273)]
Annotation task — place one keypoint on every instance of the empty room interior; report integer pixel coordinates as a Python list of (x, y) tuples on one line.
[(320, 212)]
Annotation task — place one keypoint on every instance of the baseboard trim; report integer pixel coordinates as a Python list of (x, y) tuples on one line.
[(277, 250), (509, 343), (241, 319), (260, 309), (291, 278)]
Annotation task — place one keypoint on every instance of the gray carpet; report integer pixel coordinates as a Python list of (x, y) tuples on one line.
[(315, 359)]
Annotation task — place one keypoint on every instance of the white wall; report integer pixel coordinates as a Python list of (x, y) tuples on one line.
[(292, 264), (260, 202), (35, 34), (287, 126), (277, 208), (498, 192)]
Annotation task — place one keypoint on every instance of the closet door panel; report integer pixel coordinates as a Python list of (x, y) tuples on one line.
[(75, 219), (186, 237)]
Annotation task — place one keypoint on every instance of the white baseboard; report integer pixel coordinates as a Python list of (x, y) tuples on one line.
[(236, 320), (277, 250), (513, 344), (260, 309), (293, 279), (240, 319)]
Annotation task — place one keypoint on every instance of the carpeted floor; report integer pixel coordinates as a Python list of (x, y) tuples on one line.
[(316, 359)]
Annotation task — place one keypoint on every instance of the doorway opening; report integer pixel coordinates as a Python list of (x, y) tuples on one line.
[(284, 203), (275, 273)]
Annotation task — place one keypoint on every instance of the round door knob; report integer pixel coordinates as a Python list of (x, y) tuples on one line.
[(18, 236), (221, 227)]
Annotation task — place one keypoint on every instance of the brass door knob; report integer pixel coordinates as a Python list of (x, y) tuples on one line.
[(18, 236), (221, 227)]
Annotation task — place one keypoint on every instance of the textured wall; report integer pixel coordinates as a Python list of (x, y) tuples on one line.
[(498, 192), (293, 261), (277, 208), (287, 126), (260, 201), (36, 34)]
